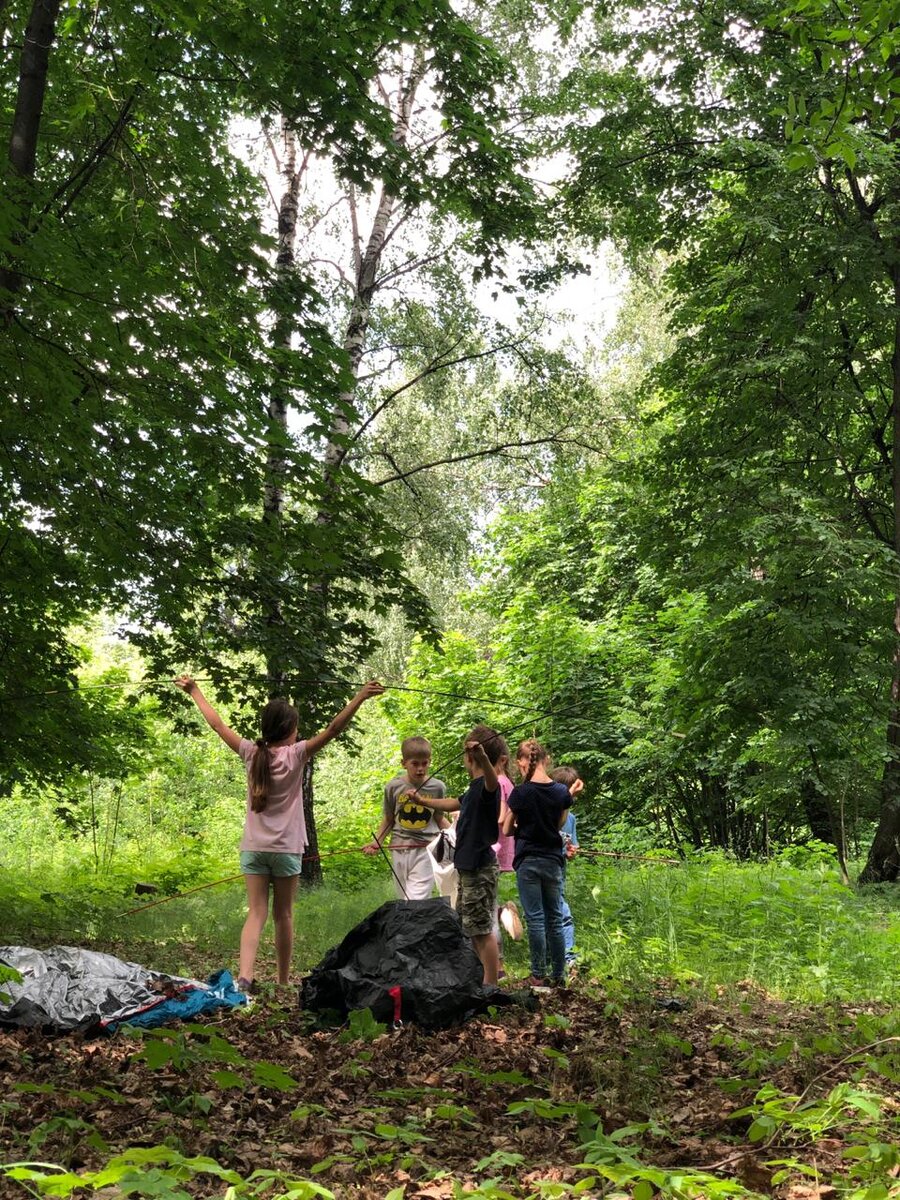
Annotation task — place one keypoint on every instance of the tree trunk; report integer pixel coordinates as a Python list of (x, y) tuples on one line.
[(277, 409), (282, 333), (883, 862), (817, 802), (312, 866), (673, 832), (687, 805), (39, 36), (742, 832), (715, 809), (33, 65), (366, 276), (816, 810), (276, 462)]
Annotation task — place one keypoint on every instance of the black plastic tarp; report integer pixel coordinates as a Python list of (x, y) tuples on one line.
[(416, 946)]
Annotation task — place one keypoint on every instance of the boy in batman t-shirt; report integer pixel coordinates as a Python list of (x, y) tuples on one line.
[(412, 826)]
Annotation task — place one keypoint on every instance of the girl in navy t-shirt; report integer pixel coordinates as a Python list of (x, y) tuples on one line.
[(538, 808)]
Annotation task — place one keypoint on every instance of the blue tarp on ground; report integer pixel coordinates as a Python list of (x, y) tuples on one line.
[(219, 992)]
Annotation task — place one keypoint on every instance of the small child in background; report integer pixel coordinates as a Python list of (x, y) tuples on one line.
[(570, 778), (412, 825)]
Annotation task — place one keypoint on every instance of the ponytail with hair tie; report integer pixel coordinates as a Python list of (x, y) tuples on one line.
[(278, 721)]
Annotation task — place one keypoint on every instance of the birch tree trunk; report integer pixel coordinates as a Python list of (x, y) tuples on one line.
[(282, 334), (366, 264), (276, 462), (277, 410), (365, 281)]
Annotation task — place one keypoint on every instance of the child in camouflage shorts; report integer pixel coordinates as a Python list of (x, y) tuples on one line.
[(476, 832)]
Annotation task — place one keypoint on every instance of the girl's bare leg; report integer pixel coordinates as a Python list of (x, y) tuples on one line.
[(283, 916), (258, 902)]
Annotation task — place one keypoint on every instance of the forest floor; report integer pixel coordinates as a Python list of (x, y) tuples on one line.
[(644, 1090), (732, 1034)]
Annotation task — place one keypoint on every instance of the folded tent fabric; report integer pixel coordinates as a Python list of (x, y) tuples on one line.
[(65, 989), (417, 946)]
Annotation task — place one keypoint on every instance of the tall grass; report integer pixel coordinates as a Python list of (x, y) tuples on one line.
[(207, 925), (185, 934), (796, 932)]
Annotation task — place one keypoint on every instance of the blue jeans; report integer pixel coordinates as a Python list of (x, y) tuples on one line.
[(540, 883), (568, 931), (568, 924)]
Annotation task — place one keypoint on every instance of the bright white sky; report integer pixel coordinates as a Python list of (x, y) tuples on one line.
[(580, 311)]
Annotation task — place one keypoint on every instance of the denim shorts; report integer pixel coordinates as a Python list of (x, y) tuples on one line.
[(268, 862)]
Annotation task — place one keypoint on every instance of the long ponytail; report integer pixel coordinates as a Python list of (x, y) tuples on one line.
[(277, 722)]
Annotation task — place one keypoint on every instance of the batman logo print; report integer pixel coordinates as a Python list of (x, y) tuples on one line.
[(411, 815)]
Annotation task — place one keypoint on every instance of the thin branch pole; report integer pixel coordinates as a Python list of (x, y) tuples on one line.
[(552, 439)]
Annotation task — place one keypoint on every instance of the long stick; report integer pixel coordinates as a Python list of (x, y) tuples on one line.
[(148, 684), (230, 878)]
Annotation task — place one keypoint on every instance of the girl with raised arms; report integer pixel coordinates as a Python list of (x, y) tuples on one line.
[(271, 850)]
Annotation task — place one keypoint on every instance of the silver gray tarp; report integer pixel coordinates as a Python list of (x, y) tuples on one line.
[(66, 988)]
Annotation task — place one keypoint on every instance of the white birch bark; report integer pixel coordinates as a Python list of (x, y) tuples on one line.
[(285, 262), (366, 265)]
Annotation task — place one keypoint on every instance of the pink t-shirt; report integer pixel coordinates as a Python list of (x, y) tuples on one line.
[(281, 826), (505, 848)]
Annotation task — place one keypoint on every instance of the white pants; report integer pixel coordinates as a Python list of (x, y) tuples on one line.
[(415, 873)]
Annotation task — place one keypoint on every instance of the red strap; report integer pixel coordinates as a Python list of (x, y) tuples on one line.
[(395, 994)]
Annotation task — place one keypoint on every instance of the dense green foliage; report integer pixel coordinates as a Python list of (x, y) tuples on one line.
[(759, 146), (690, 564), (138, 290), (292, 395)]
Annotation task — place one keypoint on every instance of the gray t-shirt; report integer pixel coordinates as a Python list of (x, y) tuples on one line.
[(412, 822)]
